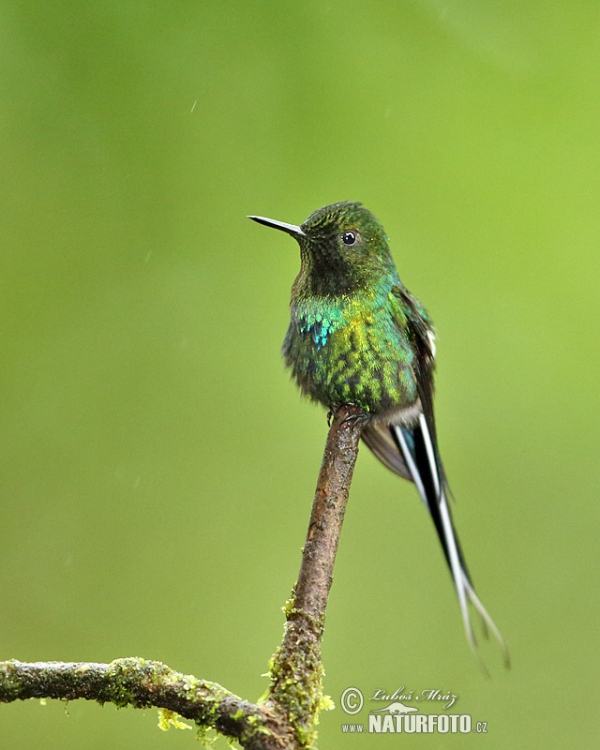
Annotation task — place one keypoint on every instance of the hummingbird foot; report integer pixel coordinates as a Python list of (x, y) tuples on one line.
[(356, 415)]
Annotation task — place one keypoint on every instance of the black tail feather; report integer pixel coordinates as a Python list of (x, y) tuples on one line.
[(421, 457)]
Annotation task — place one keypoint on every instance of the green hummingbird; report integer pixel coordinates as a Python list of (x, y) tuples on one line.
[(357, 335)]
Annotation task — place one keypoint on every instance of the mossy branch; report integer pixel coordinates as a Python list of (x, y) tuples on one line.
[(287, 715), (137, 683)]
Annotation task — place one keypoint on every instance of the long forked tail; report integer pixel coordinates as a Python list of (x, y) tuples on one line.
[(422, 460)]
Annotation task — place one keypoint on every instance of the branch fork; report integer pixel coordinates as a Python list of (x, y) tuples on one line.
[(286, 718)]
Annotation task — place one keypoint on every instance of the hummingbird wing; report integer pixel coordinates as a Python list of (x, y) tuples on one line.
[(412, 323), (410, 449), (380, 439)]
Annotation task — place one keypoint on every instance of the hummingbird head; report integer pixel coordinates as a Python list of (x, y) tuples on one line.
[(343, 249)]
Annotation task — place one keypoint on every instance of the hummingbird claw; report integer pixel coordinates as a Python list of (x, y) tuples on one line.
[(358, 416)]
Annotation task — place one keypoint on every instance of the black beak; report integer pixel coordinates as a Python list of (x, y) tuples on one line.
[(289, 228)]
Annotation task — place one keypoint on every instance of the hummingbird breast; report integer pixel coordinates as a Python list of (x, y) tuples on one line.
[(351, 350)]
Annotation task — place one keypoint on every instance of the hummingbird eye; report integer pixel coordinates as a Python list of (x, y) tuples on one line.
[(349, 238)]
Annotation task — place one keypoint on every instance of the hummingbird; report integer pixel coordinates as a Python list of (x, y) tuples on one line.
[(357, 335)]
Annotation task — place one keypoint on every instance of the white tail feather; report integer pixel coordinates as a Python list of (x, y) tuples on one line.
[(412, 467), (464, 588)]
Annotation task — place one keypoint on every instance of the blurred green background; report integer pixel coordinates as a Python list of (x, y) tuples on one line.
[(157, 465)]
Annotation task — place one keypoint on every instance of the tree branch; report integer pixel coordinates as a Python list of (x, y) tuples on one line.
[(131, 682), (287, 716), (296, 669)]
